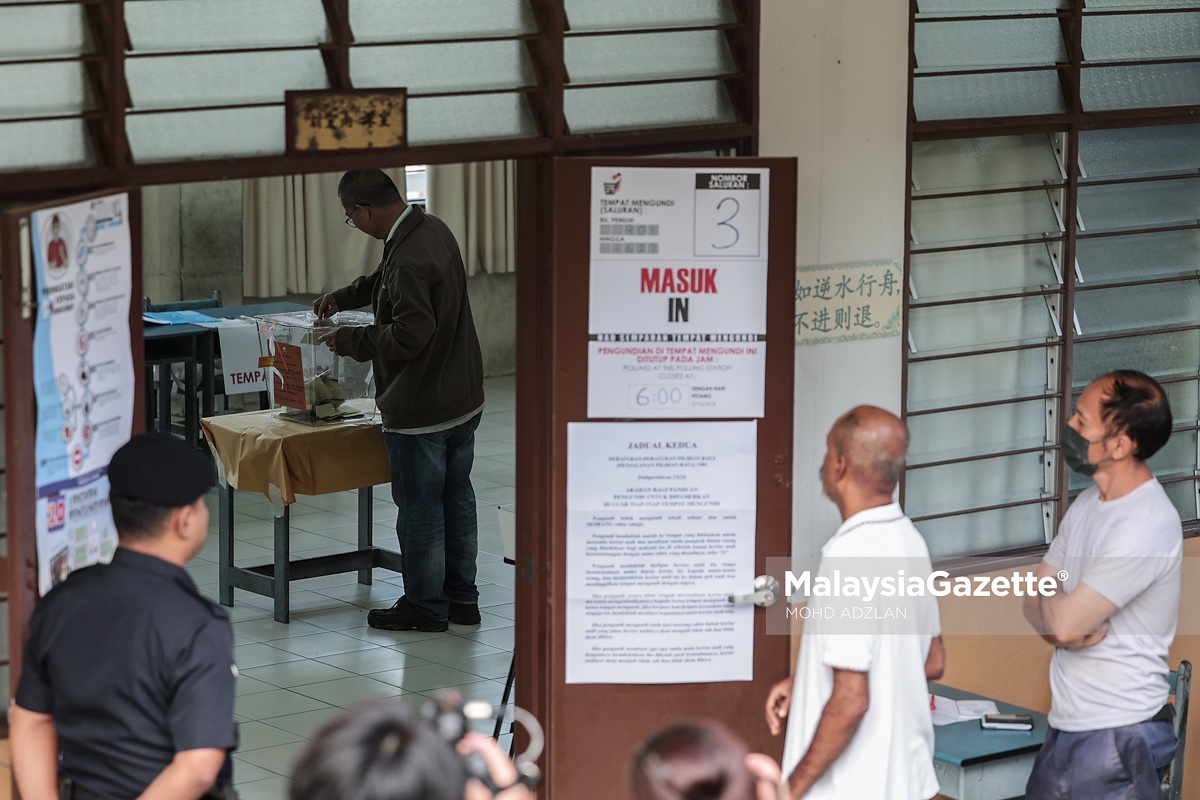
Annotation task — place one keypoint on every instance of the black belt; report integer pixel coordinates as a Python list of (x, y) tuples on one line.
[(70, 790), (1165, 714)]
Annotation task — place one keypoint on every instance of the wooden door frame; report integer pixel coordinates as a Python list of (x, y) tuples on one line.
[(545, 404)]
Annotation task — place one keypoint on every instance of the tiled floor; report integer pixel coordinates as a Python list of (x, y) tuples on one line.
[(294, 677)]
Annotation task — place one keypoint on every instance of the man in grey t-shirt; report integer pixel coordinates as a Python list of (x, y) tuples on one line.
[(1117, 557)]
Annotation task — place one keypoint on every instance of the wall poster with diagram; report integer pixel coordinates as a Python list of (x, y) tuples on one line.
[(83, 377)]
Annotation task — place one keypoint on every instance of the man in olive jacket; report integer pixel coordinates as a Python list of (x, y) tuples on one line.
[(429, 388)]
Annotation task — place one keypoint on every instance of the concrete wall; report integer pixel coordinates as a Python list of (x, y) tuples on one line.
[(210, 240), (162, 265), (192, 241), (834, 94)]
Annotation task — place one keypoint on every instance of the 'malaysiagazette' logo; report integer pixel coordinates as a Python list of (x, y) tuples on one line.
[(938, 584)]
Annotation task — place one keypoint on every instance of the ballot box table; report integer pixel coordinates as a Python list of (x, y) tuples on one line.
[(259, 452)]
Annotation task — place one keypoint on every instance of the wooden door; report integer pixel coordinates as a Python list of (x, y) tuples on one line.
[(593, 729)]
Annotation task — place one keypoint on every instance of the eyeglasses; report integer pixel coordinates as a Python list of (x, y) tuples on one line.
[(349, 221)]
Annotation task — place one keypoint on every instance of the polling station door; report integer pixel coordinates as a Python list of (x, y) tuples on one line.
[(67, 270), (655, 367)]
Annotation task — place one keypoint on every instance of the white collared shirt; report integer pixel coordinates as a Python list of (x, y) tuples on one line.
[(891, 754), (395, 225)]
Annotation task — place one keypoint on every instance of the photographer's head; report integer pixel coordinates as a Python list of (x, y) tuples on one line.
[(378, 752), (701, 761)]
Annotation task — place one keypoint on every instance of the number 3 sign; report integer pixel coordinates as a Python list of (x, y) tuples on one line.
[(728, 215)]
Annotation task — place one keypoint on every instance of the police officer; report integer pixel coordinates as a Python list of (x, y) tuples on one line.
[(128, 672)]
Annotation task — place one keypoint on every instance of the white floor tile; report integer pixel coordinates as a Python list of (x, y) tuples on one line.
[(326, 643), (276, 703), (443, 650), (278, 759), (247, 685), (306, 723), (338, 618), (256, 735), (378, 595), (268, 630), (425, 678), (501, 638), (492, 665), (347, 692), (243, 771), (378, 659), (294, 673), (272, 788), (248, 656)]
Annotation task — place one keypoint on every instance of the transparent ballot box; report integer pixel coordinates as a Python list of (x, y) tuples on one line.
[(309, 382)]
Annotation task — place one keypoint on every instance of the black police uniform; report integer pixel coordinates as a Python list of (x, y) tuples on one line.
[(134, 665)]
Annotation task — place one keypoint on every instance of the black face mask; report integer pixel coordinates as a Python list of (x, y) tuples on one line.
[(1075, 450)]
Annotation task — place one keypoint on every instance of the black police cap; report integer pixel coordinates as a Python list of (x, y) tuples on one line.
[(160, 469)]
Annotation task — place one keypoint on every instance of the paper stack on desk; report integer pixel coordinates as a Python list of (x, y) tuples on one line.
[(946, 711), (179, 318)]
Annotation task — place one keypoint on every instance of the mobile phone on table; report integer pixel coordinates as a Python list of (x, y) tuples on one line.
[(1006, 722)]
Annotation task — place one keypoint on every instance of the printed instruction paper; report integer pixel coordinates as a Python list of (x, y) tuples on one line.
[(660, 532)]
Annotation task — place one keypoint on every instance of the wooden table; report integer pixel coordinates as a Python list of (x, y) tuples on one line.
[(977, 764), (282, 459)]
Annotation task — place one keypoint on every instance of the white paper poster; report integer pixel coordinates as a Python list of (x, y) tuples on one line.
[(660, 531), (240, 354), (677, 310), (83, 377)]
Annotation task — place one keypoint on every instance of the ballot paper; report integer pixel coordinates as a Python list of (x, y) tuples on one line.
[(947, 712)]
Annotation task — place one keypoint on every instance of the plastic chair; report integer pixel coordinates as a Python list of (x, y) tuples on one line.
[(190, 352), (1181, 688)]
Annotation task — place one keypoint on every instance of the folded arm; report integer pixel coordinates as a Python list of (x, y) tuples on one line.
[(1077, 619)]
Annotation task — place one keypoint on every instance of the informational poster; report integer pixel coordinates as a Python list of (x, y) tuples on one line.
[(660, 532), (848, 301), (83, 377), (677, 311)]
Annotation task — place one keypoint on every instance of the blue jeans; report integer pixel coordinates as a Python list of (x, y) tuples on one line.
[(437, 525), (1110, 764)]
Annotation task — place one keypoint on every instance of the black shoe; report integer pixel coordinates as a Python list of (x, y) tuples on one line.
[(404, 616), (464, 613)]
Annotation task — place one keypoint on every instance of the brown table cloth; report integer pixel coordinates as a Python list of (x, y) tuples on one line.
[(262, 453)]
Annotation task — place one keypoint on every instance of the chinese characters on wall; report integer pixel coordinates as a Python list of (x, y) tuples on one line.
[(324, 121), (848, 301)]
